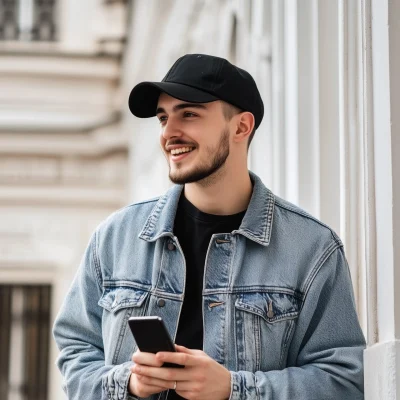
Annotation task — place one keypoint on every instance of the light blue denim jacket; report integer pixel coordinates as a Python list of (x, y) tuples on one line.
[(278, 307)]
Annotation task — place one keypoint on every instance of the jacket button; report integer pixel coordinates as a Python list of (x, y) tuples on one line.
[(161, 302), (171, 246)]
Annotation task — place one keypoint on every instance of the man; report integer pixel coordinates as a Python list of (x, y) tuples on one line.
[(255, 291)]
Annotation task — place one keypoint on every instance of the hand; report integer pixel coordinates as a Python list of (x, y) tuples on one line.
[(137, 383), (201, 379)]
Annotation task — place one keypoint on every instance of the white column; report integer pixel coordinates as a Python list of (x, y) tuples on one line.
[(294, 136), (352, 149), (382, 360), (261, 150), (328, 37), (291, 132), (394, 60), (278, 98), (329, 113), (25, 19), (308, 168), (383, 170), (369, 174)]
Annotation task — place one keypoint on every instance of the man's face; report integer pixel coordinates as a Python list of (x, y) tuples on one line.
[(194, 138)]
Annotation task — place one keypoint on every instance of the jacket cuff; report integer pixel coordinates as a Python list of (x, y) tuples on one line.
[(243, 386), (115, 383)]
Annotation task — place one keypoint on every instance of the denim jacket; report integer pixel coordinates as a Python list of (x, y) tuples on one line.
[(278, 306)]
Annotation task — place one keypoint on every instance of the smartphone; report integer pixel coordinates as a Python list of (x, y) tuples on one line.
[(151, 336)]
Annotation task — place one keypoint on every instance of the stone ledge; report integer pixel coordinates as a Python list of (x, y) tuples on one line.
[(51, 50), (382, 371), (47, 122), (36, 273), (59, 64), (63, 196)]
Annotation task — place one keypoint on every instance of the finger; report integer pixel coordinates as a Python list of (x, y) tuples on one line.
[(185, 386), (193, 352), (134, 354), (150, 389), (147, 391), (183, 349), (167, 374), (137, 386), (186, 394), (178, 358), (154, 382), (146, 359)]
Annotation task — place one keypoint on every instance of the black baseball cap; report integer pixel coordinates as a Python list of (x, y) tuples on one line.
[(200, 78)]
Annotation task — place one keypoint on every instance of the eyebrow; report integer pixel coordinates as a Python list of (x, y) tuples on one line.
[(182, 106)]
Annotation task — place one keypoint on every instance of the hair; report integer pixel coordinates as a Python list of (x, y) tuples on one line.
[(229, 111)]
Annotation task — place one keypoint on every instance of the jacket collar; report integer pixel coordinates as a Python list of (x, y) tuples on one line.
[(256, 224)]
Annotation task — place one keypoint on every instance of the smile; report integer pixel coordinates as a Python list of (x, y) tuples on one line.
[(177, 155), (181, 150)]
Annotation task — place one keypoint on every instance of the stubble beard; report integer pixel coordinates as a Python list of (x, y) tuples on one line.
[(206, 174)]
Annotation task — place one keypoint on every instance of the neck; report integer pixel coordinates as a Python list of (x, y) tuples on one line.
[(225, 193)]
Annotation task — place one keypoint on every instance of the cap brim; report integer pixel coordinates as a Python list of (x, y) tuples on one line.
[(144, 96)]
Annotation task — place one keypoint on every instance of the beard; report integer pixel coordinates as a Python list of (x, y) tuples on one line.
[(205, 172)]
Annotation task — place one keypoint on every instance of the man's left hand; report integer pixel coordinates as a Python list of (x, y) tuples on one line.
[(201, 379)]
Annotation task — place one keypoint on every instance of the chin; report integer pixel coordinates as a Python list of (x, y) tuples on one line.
[(179, 179)]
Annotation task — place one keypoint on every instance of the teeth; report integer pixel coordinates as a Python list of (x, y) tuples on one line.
[(181, 150)]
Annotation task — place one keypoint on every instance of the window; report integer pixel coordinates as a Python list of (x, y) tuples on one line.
[(27, 20), (24, 341)]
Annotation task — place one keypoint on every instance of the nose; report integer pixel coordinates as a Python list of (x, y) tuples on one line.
[(171, 129)]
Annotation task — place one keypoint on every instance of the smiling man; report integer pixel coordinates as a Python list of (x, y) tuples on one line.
[(256, 292)]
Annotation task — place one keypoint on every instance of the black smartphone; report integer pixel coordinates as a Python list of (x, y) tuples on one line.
[(151, 336)]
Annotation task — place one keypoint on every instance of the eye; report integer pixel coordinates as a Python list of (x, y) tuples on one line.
[(162, 119), (189, 114)]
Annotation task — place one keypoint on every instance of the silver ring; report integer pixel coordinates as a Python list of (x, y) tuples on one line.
[(175, 385)]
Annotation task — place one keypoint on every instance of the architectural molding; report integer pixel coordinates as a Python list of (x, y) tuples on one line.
[(52, 94), (12, 273), (92, 197), (26, 170), (51, 49), (53, 64), (63, 122)]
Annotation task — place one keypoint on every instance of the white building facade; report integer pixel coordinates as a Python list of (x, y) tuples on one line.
[(63, 168), (71, 153)]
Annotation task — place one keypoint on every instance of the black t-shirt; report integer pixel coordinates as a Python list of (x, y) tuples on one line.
[(194, 229)]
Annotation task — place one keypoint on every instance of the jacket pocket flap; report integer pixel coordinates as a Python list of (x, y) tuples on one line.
[(270, 306), (113, 299)]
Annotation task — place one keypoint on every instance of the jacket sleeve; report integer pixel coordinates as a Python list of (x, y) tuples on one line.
[(78, 334), (325, 358)]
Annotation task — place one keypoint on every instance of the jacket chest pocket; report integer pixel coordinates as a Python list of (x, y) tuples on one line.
[(120, 303), (265, 323)]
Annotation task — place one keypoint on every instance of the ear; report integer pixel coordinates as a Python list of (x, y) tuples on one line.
[(244, 126)]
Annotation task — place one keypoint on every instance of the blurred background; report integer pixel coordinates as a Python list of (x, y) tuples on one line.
[(71, 153)]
